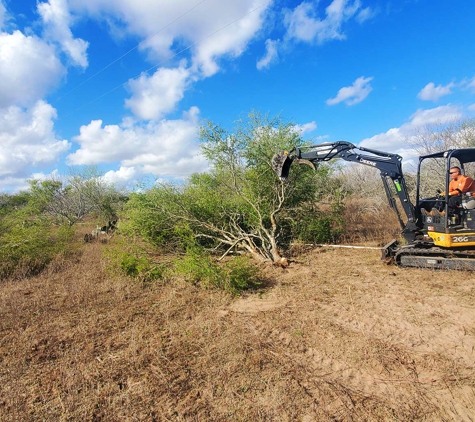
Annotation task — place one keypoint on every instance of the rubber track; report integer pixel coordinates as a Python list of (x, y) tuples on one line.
[(410, 256)]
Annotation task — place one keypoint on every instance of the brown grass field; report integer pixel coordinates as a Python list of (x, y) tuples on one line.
[(336, 336)]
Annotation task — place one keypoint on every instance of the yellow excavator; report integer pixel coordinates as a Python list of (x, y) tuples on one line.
[(441, 241)]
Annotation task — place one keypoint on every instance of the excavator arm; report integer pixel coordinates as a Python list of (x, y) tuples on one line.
[(389, 165)]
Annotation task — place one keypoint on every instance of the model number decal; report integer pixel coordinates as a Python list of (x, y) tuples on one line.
[(461, 239)]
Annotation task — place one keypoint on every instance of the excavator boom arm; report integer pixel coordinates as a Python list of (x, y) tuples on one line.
[(389, 165)]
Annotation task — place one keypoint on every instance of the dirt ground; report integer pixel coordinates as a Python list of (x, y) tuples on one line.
[(336, 336)]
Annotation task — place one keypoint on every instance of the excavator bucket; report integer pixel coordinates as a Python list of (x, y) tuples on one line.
[(282, 161)]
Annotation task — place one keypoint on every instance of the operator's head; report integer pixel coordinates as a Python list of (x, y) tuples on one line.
[(454, 172)]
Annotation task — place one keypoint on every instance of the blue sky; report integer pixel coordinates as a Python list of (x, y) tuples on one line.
[(125, 84)]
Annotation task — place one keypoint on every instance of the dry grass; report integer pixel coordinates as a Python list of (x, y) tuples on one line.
[(369, 219), (337, 336)]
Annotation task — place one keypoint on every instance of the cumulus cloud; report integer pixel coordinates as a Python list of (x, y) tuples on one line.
[(247, 17), (121, 177), (270, 56), (432, 93), (165, 147), (57, 21), (211, 31), (16, 184), (303, 24), (353, 94), (205, 32), (13, 184), (395, 139), (153, 97), (305, 128), (28, 69), (27, 140)]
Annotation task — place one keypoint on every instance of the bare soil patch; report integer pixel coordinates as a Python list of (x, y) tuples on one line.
[(337, 336)]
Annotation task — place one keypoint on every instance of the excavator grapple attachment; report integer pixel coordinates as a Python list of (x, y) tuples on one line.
[(282, 161)]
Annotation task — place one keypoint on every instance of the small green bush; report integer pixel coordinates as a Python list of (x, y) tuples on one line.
[(197, 267), (320, 227), (241, 275), (234, 276), (133, 262), (140, 267), (28, 245)]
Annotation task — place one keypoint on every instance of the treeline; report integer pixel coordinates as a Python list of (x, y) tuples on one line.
[(38, 224), (239, 208)]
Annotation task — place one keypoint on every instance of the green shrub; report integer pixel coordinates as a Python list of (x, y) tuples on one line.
[(317, 226), (27, 246), (241, 275), (197, 267), (133, 262), (140, 267), (234, 276), (145, 216)]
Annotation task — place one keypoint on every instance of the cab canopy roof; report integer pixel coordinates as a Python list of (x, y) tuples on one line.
[(464, 155)]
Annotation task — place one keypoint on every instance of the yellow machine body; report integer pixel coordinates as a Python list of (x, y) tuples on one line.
[(453, 240)]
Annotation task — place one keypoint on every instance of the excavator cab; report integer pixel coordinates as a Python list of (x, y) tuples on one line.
[(454, 230)]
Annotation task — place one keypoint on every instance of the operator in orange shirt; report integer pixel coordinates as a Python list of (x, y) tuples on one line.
[(459, 184)]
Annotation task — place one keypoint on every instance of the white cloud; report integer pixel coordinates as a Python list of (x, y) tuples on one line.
[(301, 23), (231, 40), (304, 25), (167, 147), (27, 140), (442, 114), (305, 128), (121, 177), (16, 184), (57, 21), (353, 94), (28, 69), (153, 97), (395, 139), (270, 56), (432, 93), (210, 31), (471, 83), (365, 14), (471, 107), (13, 184)]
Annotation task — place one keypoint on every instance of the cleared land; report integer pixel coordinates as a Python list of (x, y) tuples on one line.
[(335, 336)]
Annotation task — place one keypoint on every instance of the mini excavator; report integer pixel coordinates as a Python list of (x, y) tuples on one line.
[(440, 241)]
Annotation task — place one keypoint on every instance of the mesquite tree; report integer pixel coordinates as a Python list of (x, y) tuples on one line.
[(239, 205), (75, 197)]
